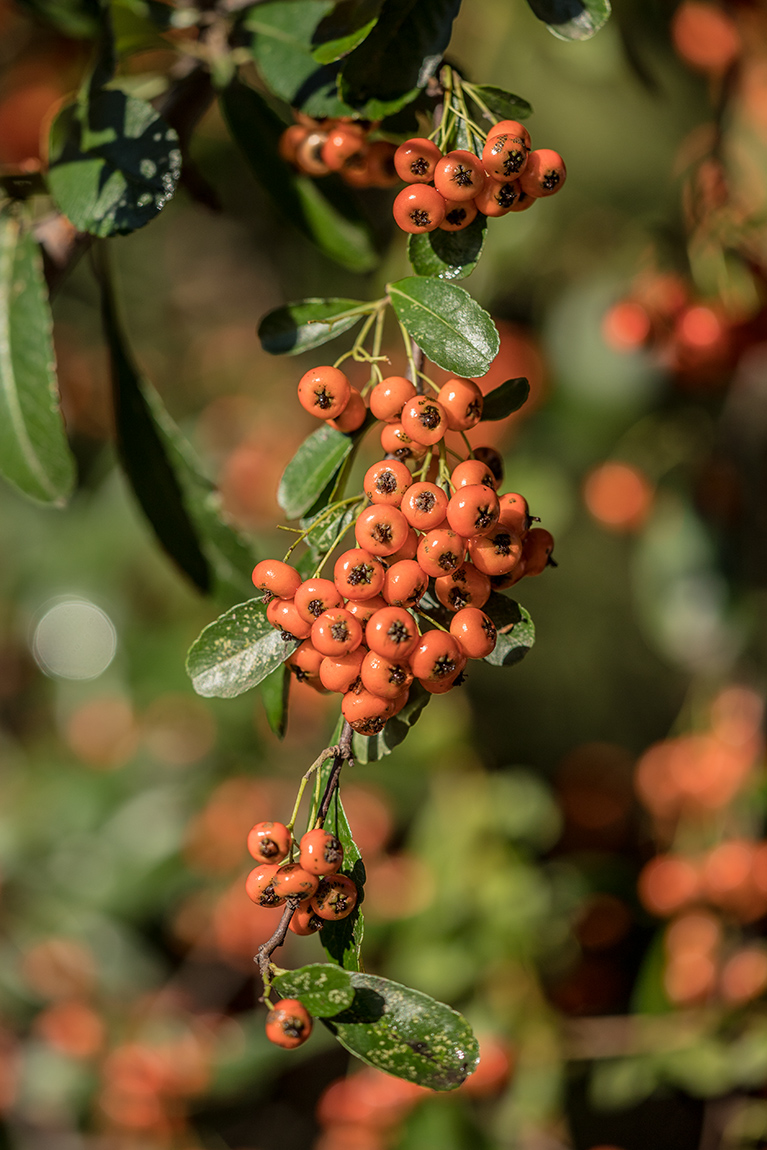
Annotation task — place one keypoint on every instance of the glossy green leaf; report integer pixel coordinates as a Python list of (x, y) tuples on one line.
[(572, 19), (462, 135), (114, 162), (275, 691), (448, 255), (324, 988), (451, 327), (397, 59), (516, 631), (344, 28), (236, 652), (315, 463), (306, 324), (34, 453), (406, 1033), (372, 748), (335, 228), (505, 105), (330, 526), (504, 400), (177, 498)]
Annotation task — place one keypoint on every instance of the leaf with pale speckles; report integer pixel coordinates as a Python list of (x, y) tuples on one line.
[(236, 652), (323, 988), (406, 1033)]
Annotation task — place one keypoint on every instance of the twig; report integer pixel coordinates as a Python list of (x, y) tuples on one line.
[(267, 949), (342, 753)]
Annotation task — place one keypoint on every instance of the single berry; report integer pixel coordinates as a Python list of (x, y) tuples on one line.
[(415, 160), (290, 141), (424, 506), (475, 631), (353, 415), (424, 420), (462, 401), (288, 1023), (364, 609), (309, 154), (336, 897), (315, 596), (408, 549), (536, 550), (513, 129), (464, 587), (282, 614), (385, 677), (473, 510), (545, 173), (324, 392), (269, 842), (389, 397), (405, 583), (419, 208), (381, 529), (496, 553), (340, 674), (437, 657), (277, 578), (392, 633), (336, 633), (459, 176), (458, 215), (304, 664), (365, 713), (514, 512), (342, 144), (440, 551), (358, 575), (395, 441), (498, 199), (387, 482), (305, 921), (321, 852), (259, 888), (292, 881), (504, 156), (472, 471)]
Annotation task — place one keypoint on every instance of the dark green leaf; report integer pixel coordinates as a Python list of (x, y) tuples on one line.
[(236, 652), (306, 324), (275, 689), (505, 105), (399, 56), (340, 234), (177, 498), (504, 400), (323, 538), (572, 19), (448, 255), (453, 330), (463, 136), (406, 1033), (315, 463), (516, 631), (34, 453), (344, 28), (370, 749), (325, 989), (114, 162), (78, 19)]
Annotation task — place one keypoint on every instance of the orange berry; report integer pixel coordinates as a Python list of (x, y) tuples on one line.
[(259, 888), (358, 574), (304, 663), (283, 615), (437, 658), (545, 173), (321, 852), (472, 471), (385, 677), (496, 553), (278, 578), (315, 596), (336, 633), (405, 583), (364, 609), (392, 633), (389, 397), (416, 159), (387, 482), (536, 550), (365, 713), (324, 392), (473, 510), (305, 921), (459, 176), (381, 529), (343, 143), (292, 881), (288, 1024), (419, 208), (497, 200), (514, 513), (336, 897), (513, 129), (340, 674), (408, 549), (269, 842), (353, 415), (380, 164), (493, 460), (462, 401), (290, 140), (395, 441), (424, 506), (439, 551), (309, 154), (504, 156), (667, 883), (424, 420), (475, 631), (458, 215), (464, 587)]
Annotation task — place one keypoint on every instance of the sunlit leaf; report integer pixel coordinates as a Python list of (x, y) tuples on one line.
[(447, 323), (236, 652), (448, 255), (306, 324), (324, 989), (572, 19)]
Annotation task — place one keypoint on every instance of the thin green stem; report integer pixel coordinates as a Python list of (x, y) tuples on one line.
[(409, 351), (472, 93), (431, 383), (334, 544), (424, 615), (469, 448), (318, 522), (314, 767), (425, 467)]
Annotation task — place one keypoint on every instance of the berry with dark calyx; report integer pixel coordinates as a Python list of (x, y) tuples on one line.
[(524, 201), (309, 154), (419, 209), (315, 596), (440, 551), (343, 142), (336, 633), (389, 397), (472, 471), (437, 658), (458, 215), (381, 529), (365, 713), (475, 631), (305, 921), (405, 583), (416, 159), (513, 129), (490, 457), (442, 684), (259, 888), (304, 663), (536, 550), (464, 587), (269, 842), (545, 173), (277, 578), (473, 510), (498, 199), (288, 1023), (340, 674), (283, 615), (395, 441), (353, 415), (358, 575), (321, 852), (292, 881), (459, 176), (336, 898), (324, 392), (424, 506), (392, 633), (387, 482), (462, 401), (514, 512), (496, 553), (385, 677), (504, 156), (424, 420)]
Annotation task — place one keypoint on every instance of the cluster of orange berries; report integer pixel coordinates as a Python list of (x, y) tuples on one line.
[(317, 147), (359, 635), (447, 191)]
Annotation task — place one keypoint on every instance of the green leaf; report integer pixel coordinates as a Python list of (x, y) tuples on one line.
[(236, 652), (505, 105), (448, 255), (323, 988), (34, 453), (336, 231), (114, 162), (177, 498), (572, 19), (406, 1033), (323, 539), (275, 689), (306, 324), (453, 330), (344, 28), (373, 748), (504, 400), (516, 631), (78, 19), (399, 56), (463, 136), (313, 466)]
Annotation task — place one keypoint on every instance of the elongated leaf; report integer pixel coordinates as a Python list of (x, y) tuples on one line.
[(505, 105), (177, 498), (516, 631), (313, 466), (447, 323), (114, 162), (306, 324), (338, 231), (373, 748), (399, 56), (406, 1033), (275, 690), (463, 136), (572, 19), (323, 988), (448, 255), (509, 397), (323, 538), (236, 652), (344, 28), (34, 453)]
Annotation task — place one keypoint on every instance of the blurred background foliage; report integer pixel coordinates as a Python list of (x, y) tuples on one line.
[(569, 851)]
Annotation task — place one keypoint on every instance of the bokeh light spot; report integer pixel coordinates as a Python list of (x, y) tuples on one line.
[(74, 639)]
